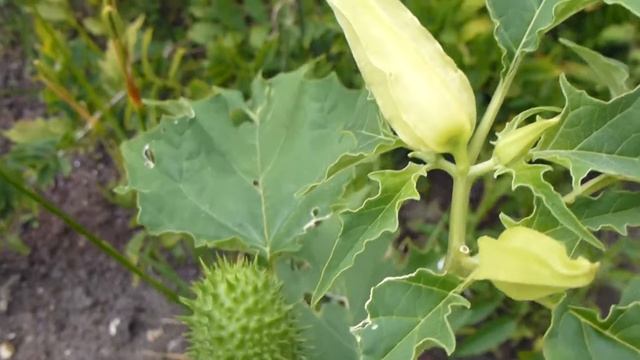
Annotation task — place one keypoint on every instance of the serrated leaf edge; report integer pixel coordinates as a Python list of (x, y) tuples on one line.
[(317, 293), (566, 87), (463, 302), (598, 244), (600, 319), (505, 62)]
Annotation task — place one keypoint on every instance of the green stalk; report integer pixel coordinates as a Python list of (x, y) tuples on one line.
[(594, 185), (101, 244), (479, 138), (454, 260), (457, 259)]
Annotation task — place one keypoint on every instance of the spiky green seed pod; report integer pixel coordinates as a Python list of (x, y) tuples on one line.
[(239, 313)]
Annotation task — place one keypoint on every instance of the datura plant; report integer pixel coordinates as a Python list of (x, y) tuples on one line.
[(290, 177)]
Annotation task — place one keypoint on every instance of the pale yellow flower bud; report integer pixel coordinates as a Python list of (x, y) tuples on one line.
[(528, 265), (425, 98), (515, 144)]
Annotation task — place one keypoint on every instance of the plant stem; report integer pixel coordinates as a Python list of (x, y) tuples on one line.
[(68, 99), (101, 244), (482, 168), (480, 136), (597, 183), (459, 210)]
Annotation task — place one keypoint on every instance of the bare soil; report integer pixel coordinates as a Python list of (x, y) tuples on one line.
[(66, 299)]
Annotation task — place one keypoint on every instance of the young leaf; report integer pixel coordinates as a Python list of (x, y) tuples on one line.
[(607, 71), (595, 135), (408, 314), (632, 5), (231, 171), (519, 24), (532, 177), (579, 333), (376, 216)]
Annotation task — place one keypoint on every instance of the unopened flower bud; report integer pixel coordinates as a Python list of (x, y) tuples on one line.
[(515, 144), (528, 265), (425, 98)]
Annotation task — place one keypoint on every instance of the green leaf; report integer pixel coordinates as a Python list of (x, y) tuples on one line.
[(54, 11), (203, 32), (616, 210), (38, 130), (302, 269), (532, 177), (176, 108), (632, 5), (631, 292), (370, 267), (300, 273), (373, 137), (327, 333), (408, 314), (355, 158), (579, 333), (376, 216), (327, 328), (229, 174), (520, 24), (609, 72), (482, 307), (487, 337), (595, 135)]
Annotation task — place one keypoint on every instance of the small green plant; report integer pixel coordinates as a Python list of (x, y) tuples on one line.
[(240, 313)]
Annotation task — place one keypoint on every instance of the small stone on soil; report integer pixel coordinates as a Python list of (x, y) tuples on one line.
[(154, 334), (113, 326), (6, 350)]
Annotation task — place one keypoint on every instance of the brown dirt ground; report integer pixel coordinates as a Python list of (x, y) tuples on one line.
[(67, 300)]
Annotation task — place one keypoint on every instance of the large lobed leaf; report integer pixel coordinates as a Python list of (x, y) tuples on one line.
[(519, 24), (595, 135), (408, 314), (230, 173), (377, 215)]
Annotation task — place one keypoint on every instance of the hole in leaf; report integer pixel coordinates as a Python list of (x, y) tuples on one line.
[(149, 157)]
